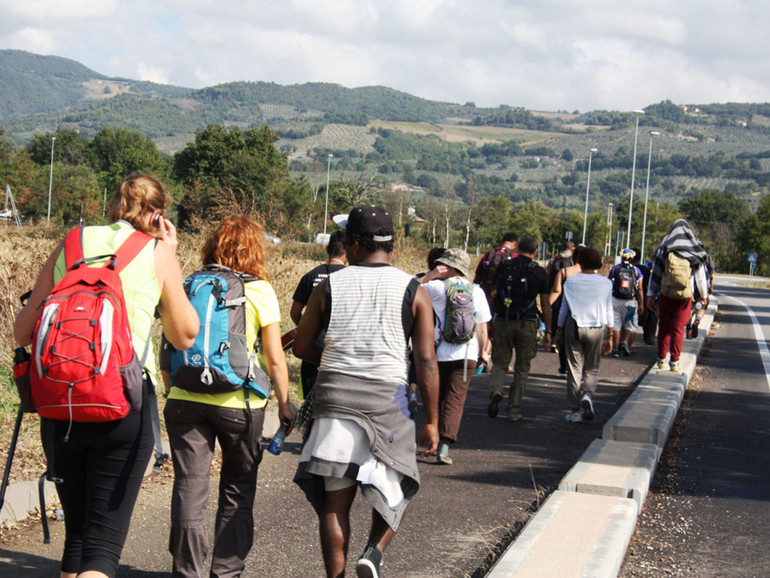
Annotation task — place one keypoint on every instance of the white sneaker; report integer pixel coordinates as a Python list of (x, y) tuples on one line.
[(662, 363), (675, 366), (574, 417), (588, 407)]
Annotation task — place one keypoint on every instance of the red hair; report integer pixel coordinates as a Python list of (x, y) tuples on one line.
[(239, 244)]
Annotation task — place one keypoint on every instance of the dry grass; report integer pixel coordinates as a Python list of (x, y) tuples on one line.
[(25, 249)]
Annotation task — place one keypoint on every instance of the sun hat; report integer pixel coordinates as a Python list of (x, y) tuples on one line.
[(457, 259)]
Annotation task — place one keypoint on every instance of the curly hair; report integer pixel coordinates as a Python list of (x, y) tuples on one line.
[(239, 244), (589, 259), (135, 197)]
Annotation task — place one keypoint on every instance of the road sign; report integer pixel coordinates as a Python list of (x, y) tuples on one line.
[(752, 257)]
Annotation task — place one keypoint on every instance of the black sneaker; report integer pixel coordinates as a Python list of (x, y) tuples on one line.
[(624, 349), (492, 408), (369, 565), (694, 330)]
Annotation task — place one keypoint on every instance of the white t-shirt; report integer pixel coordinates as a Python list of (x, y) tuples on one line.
[(456, 351)]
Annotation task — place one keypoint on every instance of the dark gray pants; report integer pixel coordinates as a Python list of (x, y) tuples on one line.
[(584, 352), (193, 429)]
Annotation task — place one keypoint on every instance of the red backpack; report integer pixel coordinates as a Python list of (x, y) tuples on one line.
[(84, 367)]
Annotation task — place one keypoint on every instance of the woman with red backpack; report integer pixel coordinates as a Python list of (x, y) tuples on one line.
[(100, 465)]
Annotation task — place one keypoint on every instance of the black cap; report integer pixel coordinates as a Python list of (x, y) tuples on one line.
[(368, 221)]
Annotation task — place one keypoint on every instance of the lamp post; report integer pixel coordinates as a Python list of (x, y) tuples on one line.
[(50, 179), (326, 206), (647, 193), (638, 113), (588, 186)]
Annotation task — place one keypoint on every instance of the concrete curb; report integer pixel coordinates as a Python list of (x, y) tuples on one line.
[(584, 527)]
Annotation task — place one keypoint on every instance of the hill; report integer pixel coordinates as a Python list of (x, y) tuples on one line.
[(43, 92), (509, 151)]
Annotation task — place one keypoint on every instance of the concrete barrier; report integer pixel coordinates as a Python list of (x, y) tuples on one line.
[(612, 468), (571, 534)]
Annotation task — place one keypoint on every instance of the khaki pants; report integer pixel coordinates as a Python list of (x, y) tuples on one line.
[(193, 428), (521, 335), (583, 346)]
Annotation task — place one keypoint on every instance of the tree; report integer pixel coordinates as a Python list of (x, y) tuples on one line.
[(492, 220), (71, 147), (718, 217), (119, 152), (756, 237), (226, 169)]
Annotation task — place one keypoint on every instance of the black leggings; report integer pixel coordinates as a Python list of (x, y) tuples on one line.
[(101, 469)]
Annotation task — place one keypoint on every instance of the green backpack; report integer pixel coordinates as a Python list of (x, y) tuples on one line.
[(676, 281), (459, 322)]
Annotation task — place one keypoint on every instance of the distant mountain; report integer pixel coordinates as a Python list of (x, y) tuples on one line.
[(41, 92)]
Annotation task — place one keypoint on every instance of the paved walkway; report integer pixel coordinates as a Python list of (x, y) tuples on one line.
[(462, 519)]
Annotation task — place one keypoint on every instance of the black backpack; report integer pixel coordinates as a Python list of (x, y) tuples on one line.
[(512, 289), (624, 282), (500, 254)]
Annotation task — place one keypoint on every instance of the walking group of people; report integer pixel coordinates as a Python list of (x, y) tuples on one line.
[(362, 326)]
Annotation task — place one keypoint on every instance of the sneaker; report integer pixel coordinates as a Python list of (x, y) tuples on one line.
[(662, 363), (588, 407), (675, 366), (694, 331), (370, 564), (574, 417), (562, 373), (514, 417), (615, 353), (494, 404), (442, 454), (625, 350)]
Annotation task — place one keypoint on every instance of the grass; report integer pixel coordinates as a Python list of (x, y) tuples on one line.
[(25, 249)]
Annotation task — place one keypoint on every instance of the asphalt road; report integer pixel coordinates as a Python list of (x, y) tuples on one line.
[(708, 508), (464, 515)]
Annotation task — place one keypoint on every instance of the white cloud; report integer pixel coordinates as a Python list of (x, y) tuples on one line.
[(151, 73), (48, 11), (31, 40), (542, 54)]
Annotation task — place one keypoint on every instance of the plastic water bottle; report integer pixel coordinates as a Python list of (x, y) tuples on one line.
[(276, 444)]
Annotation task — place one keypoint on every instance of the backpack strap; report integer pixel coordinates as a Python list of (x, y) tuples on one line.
[(130, 248), (73, 248)]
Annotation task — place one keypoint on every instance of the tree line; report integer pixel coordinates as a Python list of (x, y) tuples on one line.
[(226, 169)]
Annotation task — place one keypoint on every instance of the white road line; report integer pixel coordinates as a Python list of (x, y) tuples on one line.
[(764, 352)]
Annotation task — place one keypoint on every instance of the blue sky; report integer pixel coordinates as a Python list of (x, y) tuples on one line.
[(543, 55)]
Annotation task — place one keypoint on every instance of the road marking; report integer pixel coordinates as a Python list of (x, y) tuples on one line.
[(764, 352)]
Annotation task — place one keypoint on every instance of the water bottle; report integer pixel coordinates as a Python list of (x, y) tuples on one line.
[(276, 444), (698, 306), (479, 368)]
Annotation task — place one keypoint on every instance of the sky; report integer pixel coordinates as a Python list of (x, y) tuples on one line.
[(545, 55)]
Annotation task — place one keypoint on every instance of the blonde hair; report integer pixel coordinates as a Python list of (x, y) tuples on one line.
[(135, 197), (239, 244)]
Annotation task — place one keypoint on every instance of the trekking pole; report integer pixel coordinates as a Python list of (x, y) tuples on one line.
[(9, 459)]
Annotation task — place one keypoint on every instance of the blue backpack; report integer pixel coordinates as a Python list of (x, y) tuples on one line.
[(220, 360)]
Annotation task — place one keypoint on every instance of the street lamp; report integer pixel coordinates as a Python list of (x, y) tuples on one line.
[(588, 186), (647, 192), (326, 207), (50, 179), (638, 113)]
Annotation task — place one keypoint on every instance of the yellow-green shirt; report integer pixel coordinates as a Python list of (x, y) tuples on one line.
[(261, 310), (141, 291)]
